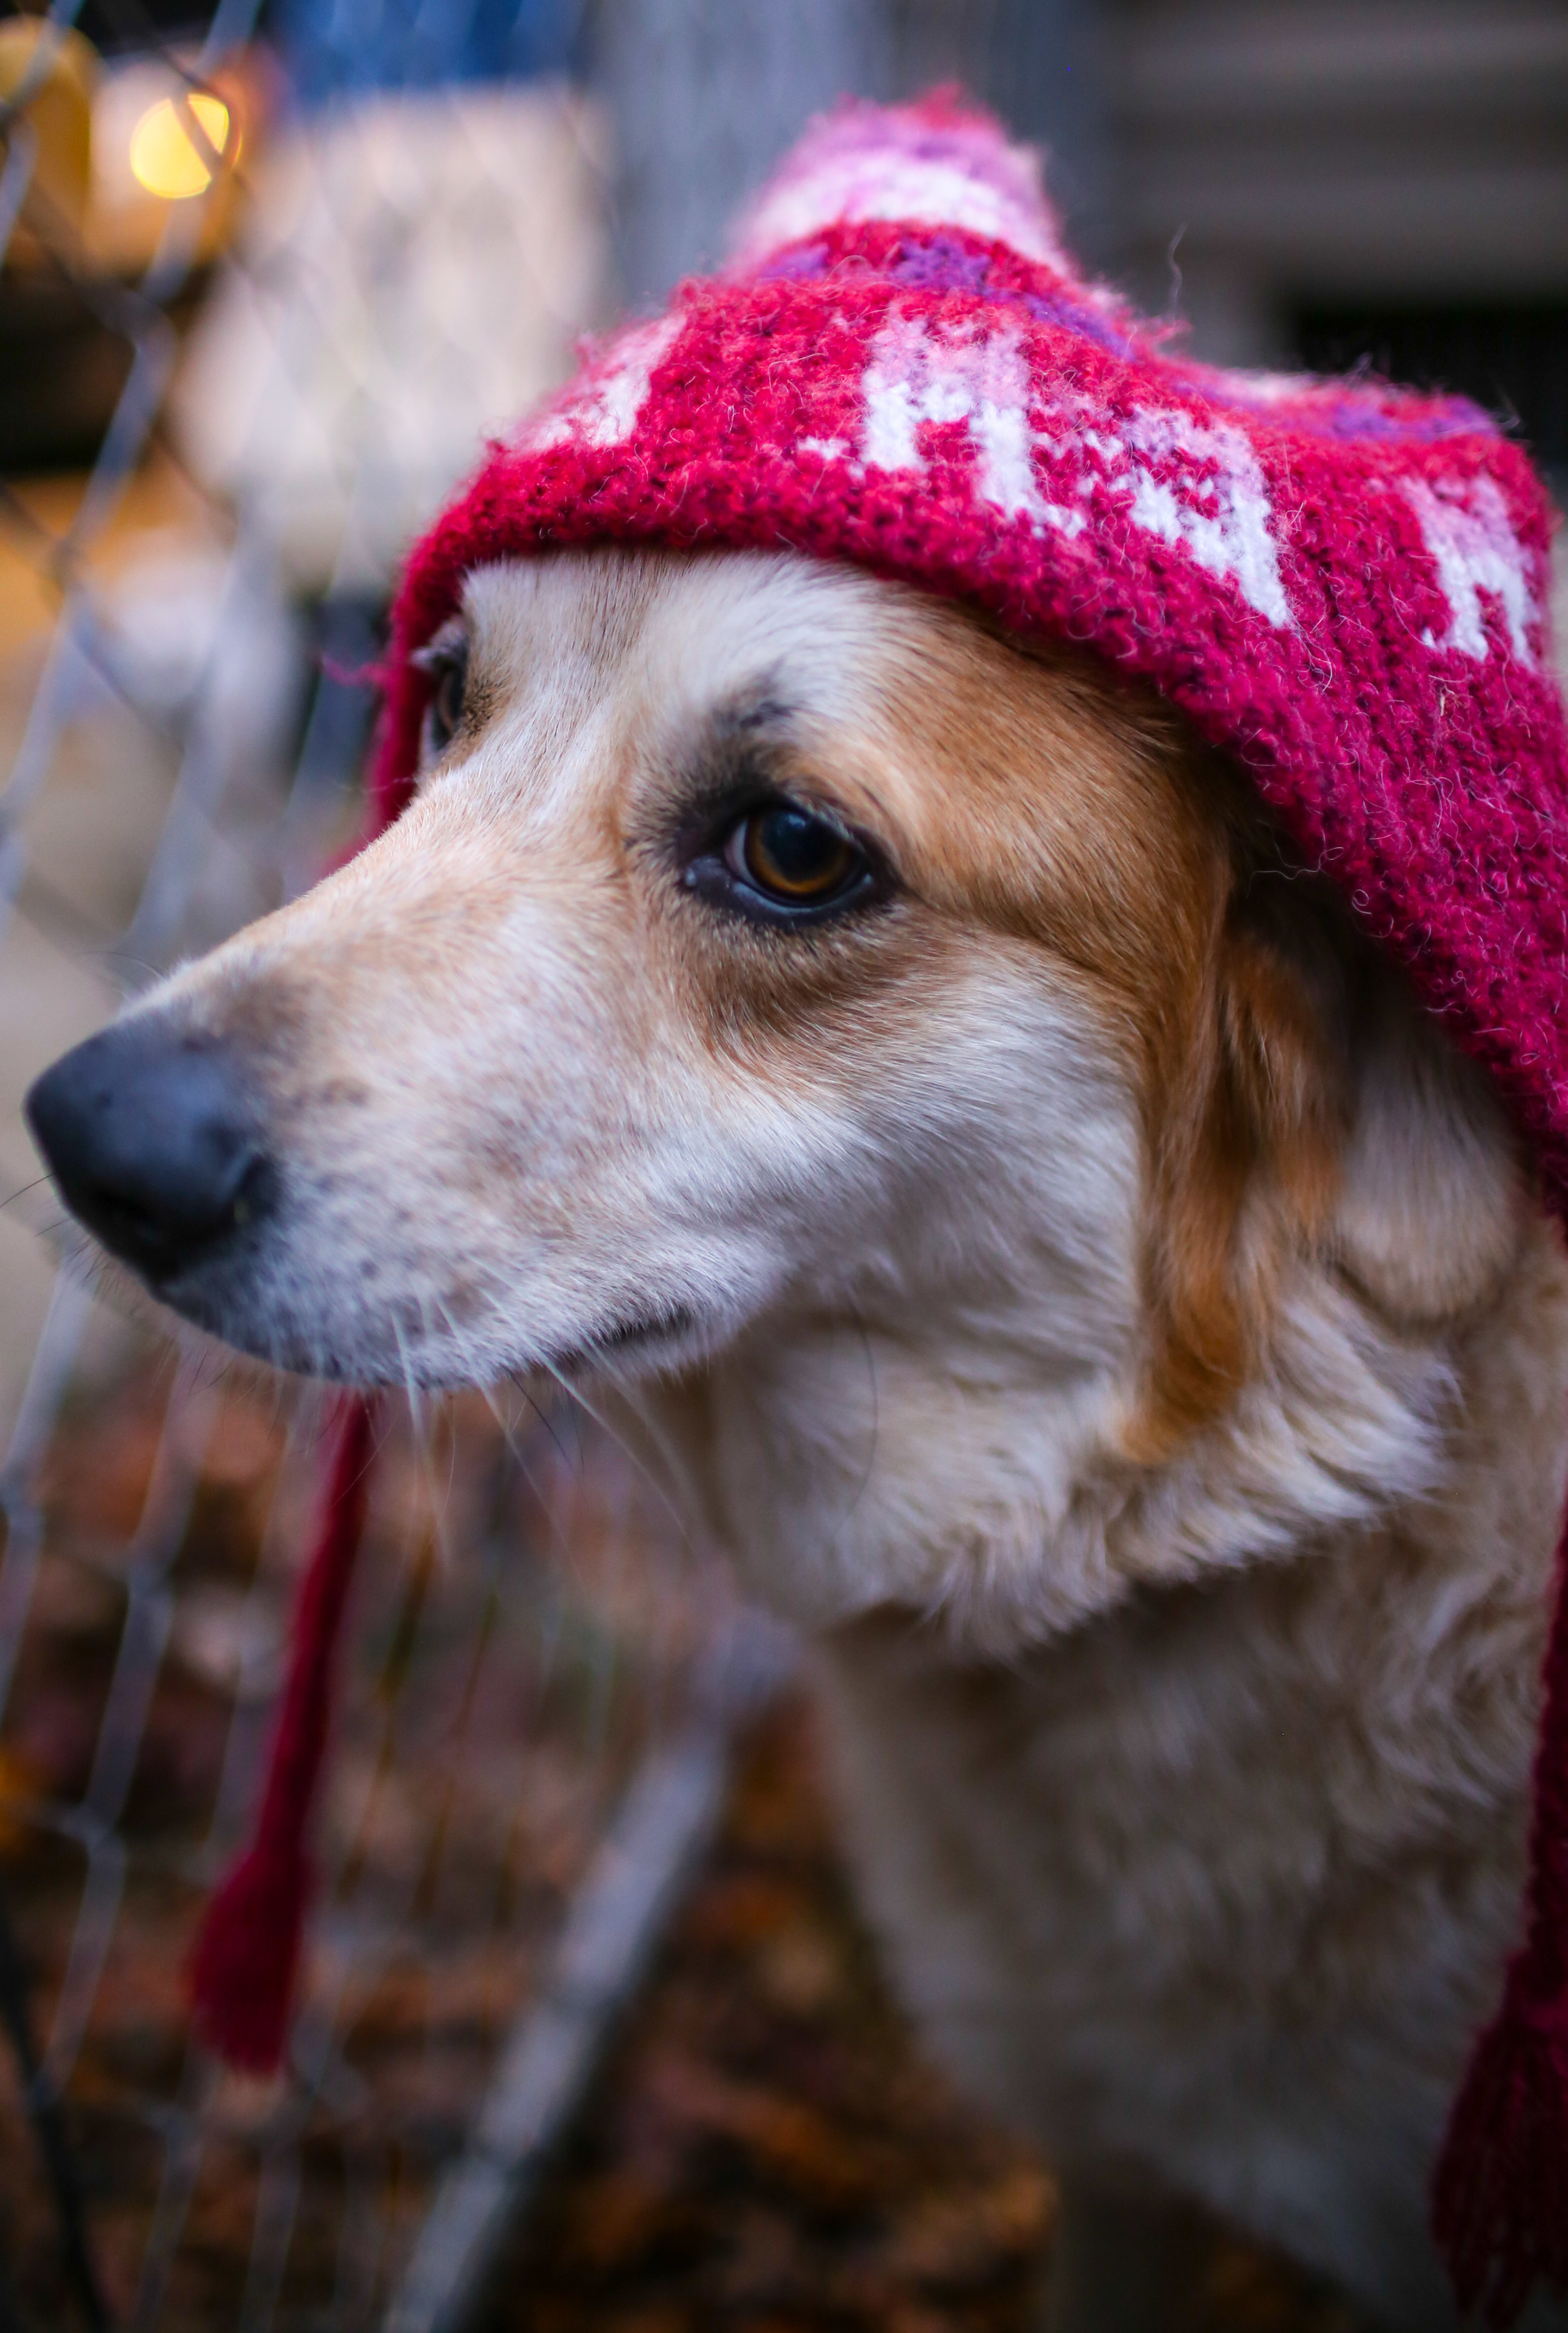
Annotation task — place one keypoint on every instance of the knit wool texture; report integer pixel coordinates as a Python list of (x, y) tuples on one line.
[(1341, 584)]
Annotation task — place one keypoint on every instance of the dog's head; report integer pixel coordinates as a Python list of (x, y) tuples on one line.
[(911, 1054)]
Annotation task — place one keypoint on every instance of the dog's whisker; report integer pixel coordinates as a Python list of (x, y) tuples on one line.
[(575, 1394), (22, 1190), (422, 1430)]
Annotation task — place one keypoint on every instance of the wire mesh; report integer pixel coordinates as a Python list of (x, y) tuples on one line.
[(180, 622)]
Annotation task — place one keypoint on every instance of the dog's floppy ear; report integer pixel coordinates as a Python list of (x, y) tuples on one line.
[(1317, 1111), (1387, 1144), (1433, 1196), (1250, 1134)]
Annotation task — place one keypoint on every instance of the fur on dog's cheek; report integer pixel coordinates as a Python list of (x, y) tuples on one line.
[(783, 1005), (976, 1257)]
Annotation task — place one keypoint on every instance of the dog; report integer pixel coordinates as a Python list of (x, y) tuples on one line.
[(905, 1072)]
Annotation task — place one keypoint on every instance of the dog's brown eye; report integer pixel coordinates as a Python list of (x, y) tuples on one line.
[(447, 701), (792, 858), (781, 864)]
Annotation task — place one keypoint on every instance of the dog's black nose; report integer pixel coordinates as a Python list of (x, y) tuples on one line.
[(152, 1137)]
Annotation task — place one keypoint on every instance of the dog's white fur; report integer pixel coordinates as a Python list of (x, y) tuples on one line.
[(1084, 1289)]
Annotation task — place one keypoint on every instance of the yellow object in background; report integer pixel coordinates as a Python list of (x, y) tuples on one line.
[(165, 147), (54, 73), (173, 156), (116, 145)]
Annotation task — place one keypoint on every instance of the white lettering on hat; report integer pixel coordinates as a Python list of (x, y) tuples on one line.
[(1475, 549), (982, 382), (604, 411), (1222, 517), (1197, 485)]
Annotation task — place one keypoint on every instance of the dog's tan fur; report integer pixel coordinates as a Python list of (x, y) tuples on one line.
[(1085, 1289)]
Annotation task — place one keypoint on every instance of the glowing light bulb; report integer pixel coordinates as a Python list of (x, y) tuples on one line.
[(165, 156)]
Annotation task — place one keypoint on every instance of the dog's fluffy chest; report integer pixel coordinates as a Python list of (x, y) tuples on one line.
[(1202, 1896), (1216, 1887)]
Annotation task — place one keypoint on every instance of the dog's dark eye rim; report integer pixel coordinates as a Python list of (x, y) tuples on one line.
[(446, 664), (716, 867)]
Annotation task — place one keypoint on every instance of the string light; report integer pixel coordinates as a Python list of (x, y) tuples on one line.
[(167, 158)]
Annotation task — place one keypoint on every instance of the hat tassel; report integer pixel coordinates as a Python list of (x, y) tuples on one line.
[(247, 1951)]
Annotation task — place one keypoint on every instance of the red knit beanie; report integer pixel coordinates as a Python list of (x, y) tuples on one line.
[(1342, 585)]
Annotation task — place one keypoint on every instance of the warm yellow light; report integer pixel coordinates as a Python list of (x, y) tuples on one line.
[(165, 156)]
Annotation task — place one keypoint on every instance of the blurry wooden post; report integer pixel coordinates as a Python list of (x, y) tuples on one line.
[(1044, 73), (1038, 65), (706, 94)]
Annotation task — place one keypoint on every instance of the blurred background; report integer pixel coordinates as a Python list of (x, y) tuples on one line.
[(269, 271)]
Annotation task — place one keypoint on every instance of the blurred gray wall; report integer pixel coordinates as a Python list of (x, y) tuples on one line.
[(1303, 151)]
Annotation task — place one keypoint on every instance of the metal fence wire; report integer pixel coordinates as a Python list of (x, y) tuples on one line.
[(527, 1742)]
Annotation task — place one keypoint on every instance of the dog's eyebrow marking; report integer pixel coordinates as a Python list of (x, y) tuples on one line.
[(746, 715), (749, 744), (736, 743), (438, 649)]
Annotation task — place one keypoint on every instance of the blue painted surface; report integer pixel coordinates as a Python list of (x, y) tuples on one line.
[(334, 48)]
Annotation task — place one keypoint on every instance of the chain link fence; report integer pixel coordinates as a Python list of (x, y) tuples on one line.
[(254, 346)]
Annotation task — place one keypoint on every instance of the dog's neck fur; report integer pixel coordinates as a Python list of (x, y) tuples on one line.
[(1213, 1891)]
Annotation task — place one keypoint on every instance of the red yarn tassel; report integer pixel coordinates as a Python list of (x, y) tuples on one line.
[(247, 1950), (1500, 2198)]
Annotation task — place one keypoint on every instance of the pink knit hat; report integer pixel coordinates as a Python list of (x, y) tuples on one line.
[(1342, 585)]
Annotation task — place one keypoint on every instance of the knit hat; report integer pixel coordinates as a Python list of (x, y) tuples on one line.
[(1341, 584)]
